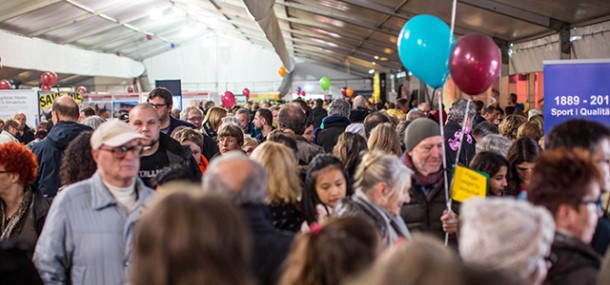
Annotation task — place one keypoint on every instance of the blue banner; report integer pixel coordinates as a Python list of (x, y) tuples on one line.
[(576, 89)]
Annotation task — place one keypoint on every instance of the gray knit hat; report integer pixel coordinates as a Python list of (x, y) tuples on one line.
[(419, 130)]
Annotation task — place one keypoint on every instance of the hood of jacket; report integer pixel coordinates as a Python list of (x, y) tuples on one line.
[(64, 131)]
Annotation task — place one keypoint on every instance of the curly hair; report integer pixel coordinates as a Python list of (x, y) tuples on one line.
[(17, 158), (77, 163), (458, 111), (510, 126)]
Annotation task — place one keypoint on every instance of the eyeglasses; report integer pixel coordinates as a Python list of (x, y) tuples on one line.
[(596, 202), (121, 152), (157, 106), (198, 119)]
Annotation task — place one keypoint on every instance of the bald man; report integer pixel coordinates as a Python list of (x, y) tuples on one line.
[(25, 134), (244, 181), (49, 151), (160, 150)]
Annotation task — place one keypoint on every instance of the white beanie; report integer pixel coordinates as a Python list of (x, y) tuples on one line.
[(505, 234)]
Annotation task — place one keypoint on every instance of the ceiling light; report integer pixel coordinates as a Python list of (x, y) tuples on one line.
[(371, 71), (376, 57), (388, 50)]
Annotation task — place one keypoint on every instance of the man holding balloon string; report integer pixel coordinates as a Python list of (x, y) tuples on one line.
[(428, 49)]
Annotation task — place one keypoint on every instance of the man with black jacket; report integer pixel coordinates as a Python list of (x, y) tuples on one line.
[(245, 182), (160, 150), (25, 134), (162, 100), (50, 151)]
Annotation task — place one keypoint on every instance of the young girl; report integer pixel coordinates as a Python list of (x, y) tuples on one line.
[(496, 166), (325, 184)]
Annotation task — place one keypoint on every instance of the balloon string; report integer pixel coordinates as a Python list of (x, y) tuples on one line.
[(453, 8), (457, 156), (440, 123)]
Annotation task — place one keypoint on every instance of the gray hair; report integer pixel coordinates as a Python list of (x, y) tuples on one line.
[(359, 101), (254, 188), (458, 110), (244, 111), (494, 143), (231, 119), (376, 167), (185, 112), (339, 107), (94, 121), (415, 114)]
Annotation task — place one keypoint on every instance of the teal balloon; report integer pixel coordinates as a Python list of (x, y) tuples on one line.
[(424, 47), (325, 83)]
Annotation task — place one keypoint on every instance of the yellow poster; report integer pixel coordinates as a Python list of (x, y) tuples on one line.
[(468, 183), (46, 99)]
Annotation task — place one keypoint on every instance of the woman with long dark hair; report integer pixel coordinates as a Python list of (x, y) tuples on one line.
[(521, 159)]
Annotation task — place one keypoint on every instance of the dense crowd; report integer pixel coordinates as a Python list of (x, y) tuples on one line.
[(298, 193)]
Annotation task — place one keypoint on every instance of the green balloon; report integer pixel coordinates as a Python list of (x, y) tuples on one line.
[(325, 83)]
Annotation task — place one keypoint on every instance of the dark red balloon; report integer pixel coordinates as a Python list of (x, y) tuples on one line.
[(45, 87), (475, 63), (129, 89), (46, 78), (4, 84)]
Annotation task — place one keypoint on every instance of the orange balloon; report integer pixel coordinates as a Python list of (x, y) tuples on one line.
[(282, 71), (349, 92)]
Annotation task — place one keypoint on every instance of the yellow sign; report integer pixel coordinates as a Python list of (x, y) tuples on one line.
[(46, 100), (468, 183), (264, 96)]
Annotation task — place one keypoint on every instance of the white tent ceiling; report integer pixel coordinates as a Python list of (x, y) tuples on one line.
[(360, 34)]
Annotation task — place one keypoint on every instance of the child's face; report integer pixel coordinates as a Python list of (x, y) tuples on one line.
[(331, 185)]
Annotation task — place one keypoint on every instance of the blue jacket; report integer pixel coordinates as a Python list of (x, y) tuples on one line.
[(49, 153), (88, 237)]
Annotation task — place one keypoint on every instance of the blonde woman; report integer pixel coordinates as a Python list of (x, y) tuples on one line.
[(385, 139), (283, 185), (382, 187), (510, 126), (212, 121)]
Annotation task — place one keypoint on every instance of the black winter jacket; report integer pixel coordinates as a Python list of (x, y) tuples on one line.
[(573, 262), (334, 126), (50, 152), (270, 246)]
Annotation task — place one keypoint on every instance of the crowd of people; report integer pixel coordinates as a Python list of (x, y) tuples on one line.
[(300, 193)]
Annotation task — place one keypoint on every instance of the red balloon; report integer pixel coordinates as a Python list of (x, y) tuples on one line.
[(45, 87), (46, 78), (344, 91), (81, 89), (5, 84), (228, 99), (130, 89), (475, 63), (246, 92), (53, 77), (303, 93)]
